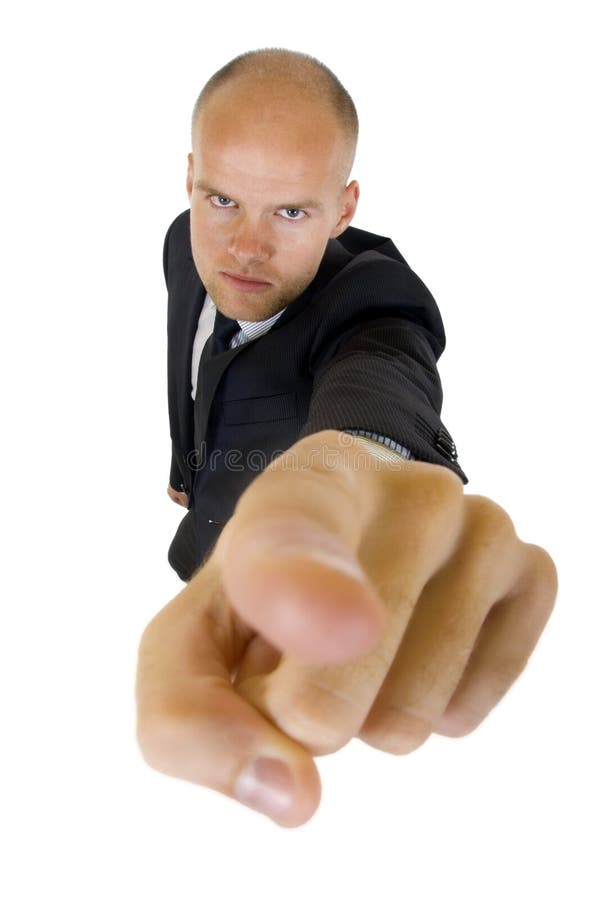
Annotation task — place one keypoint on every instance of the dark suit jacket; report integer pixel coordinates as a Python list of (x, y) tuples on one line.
[(357, 349)]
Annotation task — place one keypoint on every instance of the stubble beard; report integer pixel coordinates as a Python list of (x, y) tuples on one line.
[(259, 307)]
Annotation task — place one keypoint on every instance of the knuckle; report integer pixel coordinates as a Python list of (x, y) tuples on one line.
[(159, 741), (504, 673), (318, 737), (459, 722), (319, 718), (438, 486), (545, 573), (174, 742), (395, 730), (489, 521), (432, 494)]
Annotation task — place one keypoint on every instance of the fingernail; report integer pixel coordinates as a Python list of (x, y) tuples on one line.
[(266, 785)]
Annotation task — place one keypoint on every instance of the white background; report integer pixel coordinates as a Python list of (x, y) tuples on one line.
[(479, 157)]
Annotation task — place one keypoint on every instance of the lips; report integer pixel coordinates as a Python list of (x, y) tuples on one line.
[(245, 278), (245, 285)]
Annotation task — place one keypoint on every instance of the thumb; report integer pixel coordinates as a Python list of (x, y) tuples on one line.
[(193, 724), (290, 570)]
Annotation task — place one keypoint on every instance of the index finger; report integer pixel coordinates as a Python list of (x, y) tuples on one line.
[(191, 722), (289, 554)]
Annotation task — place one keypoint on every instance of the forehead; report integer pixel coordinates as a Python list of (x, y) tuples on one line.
[(267, 139)]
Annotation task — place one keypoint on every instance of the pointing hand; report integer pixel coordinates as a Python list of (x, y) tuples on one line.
[(346, 597)]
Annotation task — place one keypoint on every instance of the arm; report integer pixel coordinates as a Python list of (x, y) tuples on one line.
[(383, 377)]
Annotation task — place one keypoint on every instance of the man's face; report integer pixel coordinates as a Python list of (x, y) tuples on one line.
[(265, 182)]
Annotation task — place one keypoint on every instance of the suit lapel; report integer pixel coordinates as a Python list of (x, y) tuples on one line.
[(186, 302), (210, 372)]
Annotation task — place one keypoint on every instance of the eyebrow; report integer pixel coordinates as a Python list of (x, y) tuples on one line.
[(306, 204)]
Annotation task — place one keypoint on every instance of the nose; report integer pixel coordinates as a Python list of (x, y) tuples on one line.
[(250, 244)]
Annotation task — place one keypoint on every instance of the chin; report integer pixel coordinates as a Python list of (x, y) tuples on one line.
[(248, 308), (234, 308)]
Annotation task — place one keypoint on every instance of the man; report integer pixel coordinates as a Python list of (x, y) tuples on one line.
[(339, 588)]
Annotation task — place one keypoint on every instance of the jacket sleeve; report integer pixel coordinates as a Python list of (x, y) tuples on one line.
[(175, 476), (383, 378)]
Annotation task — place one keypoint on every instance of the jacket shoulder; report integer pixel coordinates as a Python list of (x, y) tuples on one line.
[(177, 244), (373, 285), (357, 241)]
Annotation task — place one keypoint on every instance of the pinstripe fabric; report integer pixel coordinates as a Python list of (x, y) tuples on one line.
[(250, 331)]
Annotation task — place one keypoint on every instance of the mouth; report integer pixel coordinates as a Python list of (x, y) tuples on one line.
[(243, 283)]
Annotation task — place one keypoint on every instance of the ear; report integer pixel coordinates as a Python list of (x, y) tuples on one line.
[(189, 181), (349, 202)]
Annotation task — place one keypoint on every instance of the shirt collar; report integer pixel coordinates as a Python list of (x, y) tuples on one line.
[(253, 330)]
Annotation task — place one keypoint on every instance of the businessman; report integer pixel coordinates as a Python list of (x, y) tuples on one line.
[(339, 582)]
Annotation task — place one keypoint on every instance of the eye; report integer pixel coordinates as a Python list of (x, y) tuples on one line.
[(221, 202), (293, 215)]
